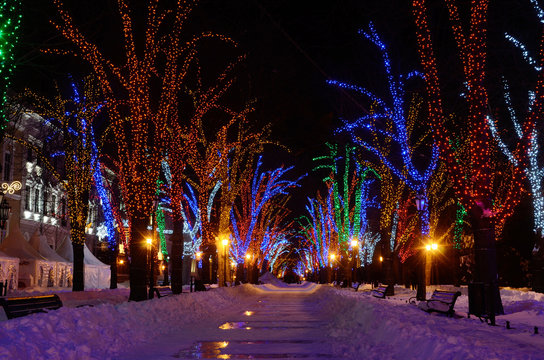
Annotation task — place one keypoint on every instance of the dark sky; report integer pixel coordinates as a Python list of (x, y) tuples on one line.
[(292, 48)]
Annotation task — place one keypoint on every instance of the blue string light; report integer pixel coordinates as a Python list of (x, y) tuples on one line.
[(533, 171), (265, 186), (408, 173)]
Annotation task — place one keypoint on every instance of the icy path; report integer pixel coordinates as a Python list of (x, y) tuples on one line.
[(275, 323)]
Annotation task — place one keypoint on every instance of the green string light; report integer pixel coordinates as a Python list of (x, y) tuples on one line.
[(161, 223), (10, 20), (458, 228)]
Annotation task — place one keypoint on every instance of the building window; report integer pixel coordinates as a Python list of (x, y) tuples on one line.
[(29, 154), (45, 209), (27, 198), (7, 166), (37, 200), (53, 208)]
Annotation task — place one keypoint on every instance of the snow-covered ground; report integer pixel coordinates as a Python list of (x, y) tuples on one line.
[(305, 321)]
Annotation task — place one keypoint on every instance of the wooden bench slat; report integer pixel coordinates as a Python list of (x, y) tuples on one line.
[(441, 301), (380, 291), (162, 291), (21, 306)]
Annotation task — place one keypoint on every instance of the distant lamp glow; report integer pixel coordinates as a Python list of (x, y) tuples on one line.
[(434, 246), (248, 256), (225, 242), (198, 255), (121, 261), (149, 241), (428, 247), (333, 256), (163, 267), (160, 257), (381, 258), (354, 243)]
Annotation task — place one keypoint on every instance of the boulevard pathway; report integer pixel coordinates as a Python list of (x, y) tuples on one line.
[(282, 324)]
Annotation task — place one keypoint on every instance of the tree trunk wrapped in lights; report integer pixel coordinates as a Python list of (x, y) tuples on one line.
[(474, 177), (350, 199), (214, 164), (74, 119), (157, 64), (393, 124), (259, 220), (532, 168), (10, 22)]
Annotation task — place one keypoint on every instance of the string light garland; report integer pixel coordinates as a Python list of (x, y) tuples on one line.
[(399, 133), (138, 121), (10, 21), (189, 212), (259, 221), (157, 64), (474, 179), (71, 119), (531, 167), (334, 221), (96, 167)]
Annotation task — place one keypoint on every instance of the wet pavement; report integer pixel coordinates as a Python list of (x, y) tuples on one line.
[(280, 325)]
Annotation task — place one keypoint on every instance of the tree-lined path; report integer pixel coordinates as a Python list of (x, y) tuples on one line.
[(277, 323)]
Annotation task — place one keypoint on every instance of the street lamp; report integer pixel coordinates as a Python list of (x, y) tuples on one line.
[(421, 291), (248, 277), (150, 257), (225, 247)]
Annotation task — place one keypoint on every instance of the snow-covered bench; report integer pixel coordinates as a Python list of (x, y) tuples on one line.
[(441, 301), (380, 291), (355, 286), (22, 306), (162, 291)]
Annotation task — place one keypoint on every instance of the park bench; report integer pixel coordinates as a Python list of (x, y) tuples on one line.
[(162, 291), (441, 301), (380, 291), (355, 286), (21, 306)]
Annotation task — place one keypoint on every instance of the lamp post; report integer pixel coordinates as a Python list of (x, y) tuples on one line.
[(150, 257), (225, 247), (233, 272), (247, 264), (421, 291), (431, 249), (354, 246), (332, 258)]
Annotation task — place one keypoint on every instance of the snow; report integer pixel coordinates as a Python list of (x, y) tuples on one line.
[(304, 319)]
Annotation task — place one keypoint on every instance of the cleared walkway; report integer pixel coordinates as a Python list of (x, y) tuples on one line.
[(282, 324)]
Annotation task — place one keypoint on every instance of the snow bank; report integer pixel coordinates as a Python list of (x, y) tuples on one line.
[(269, 278), (361, 326), (392, 329), (106, 331)]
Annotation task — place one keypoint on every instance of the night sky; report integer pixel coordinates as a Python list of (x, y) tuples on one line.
[(292, 48)]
